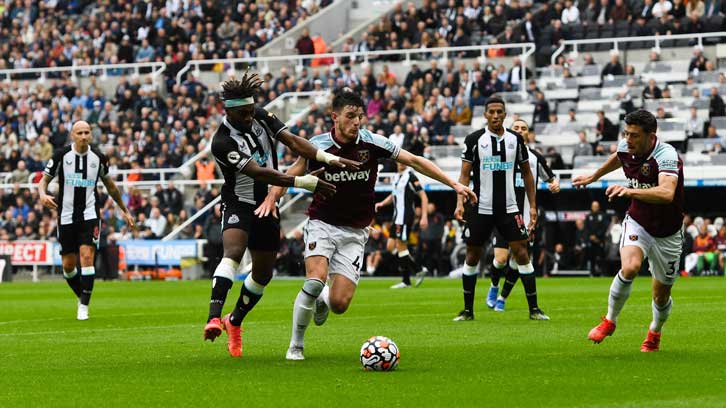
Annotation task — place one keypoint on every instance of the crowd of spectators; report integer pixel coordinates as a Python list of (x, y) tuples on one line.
[(50, 33), (450, 23)]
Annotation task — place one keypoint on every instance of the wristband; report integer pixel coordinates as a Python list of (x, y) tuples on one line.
[(325, 157), (307, 182)]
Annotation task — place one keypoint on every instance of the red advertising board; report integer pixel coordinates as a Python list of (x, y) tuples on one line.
[(27, 252)]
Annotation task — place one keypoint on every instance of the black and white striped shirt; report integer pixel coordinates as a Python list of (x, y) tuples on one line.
[(494, 160), (405, 188), (233, 148), (77, 177), (540, 170)]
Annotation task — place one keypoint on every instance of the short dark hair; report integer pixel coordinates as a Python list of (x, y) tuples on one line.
[(346, 97), (642, 118), (494, 99), (248, 86)]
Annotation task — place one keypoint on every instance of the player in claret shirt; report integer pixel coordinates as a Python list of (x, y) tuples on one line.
[(336, 233), (653, 225)]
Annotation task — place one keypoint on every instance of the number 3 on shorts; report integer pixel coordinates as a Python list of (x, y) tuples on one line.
[(672, 269)]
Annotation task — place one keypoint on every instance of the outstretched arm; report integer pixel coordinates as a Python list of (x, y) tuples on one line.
[(425, 166), (307, 150), (612, 164), (663, 193), (269, 206)]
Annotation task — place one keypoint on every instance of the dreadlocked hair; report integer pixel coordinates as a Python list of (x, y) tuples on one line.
[(246, 87)]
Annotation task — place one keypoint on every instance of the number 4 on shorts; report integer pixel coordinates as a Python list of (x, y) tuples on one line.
[(356, 263)]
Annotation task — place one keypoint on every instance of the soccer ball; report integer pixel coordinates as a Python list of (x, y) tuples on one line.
[(379, 353)]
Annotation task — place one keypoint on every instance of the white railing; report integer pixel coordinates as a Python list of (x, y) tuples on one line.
[(656, 39), (527, 49), (157, 68)]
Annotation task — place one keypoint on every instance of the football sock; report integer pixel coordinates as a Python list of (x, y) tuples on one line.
[(250, 294), (405, 263), (74, 281), (221, 284), (469, 283), (510, 279), (619, 293), (302, 311), (496, 273), (325, 295), (660, 315), (88, 275), (526, 273)]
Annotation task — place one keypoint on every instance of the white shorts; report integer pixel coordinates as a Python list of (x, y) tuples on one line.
[(664, 254), (343, 246)]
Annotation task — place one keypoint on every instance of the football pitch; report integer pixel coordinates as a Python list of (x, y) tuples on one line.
[(143, 347)]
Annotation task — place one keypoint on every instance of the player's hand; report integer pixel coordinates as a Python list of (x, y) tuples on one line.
[(325, 189), (616, 190), (377, 207), (269, 206), (459, 214), (424, 223), (581, 181), (128, 218), (466, 192), (532, 220), (554, 186), (48, 201), (346, 164)]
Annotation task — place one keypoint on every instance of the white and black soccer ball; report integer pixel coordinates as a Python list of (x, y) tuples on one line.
[(379, 353)]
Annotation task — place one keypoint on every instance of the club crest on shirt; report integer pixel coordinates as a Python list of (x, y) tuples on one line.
[(363, 155), (312, 245), (645, 169), (510, 146), (633, 237)]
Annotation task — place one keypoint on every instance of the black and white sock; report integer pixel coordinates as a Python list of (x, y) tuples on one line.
[(405, 265), (88, 276), (73, 279), (468, 279), (526, 273), (221, 284), (250, 294), (496, 272)]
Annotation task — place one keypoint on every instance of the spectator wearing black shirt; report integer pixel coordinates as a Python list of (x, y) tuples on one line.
[(613, 67)]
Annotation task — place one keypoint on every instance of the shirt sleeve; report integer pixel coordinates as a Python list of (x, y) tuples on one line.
[(269, 119), (667, 159), (51, 168), (469, 147), (544, 168), (522, 151), (388, 148), (228, 154), (414, 183)]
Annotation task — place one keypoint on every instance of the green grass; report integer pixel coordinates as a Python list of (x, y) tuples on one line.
[(143, 347)]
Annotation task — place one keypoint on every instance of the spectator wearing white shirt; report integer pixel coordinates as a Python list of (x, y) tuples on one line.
[(397, 136), (156, 223), (661, 8), (570, 14)]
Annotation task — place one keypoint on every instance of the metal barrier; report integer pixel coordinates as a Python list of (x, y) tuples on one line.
[(527, 49), (157, 68), (656, 39)]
